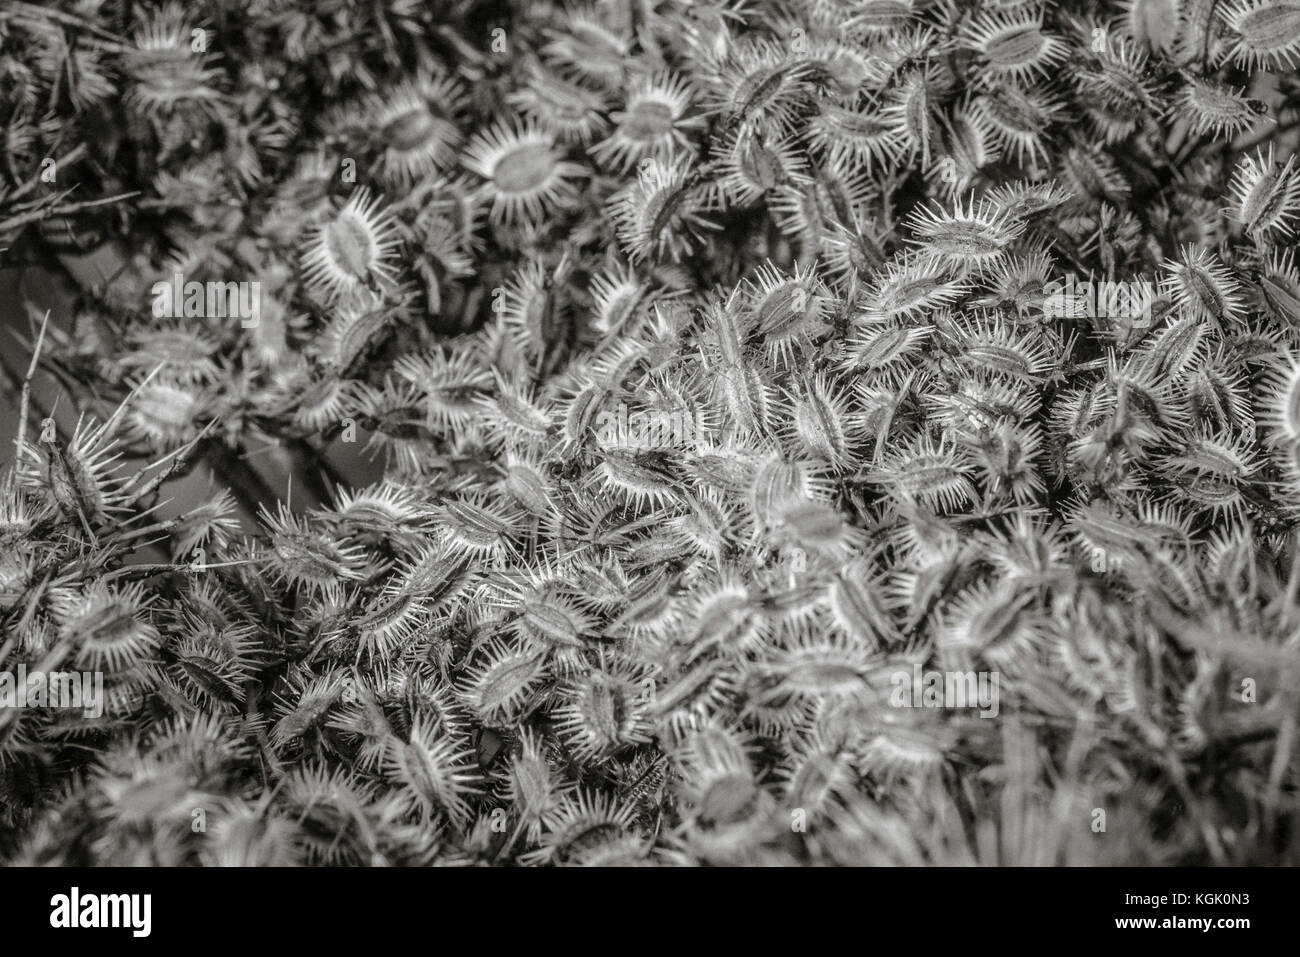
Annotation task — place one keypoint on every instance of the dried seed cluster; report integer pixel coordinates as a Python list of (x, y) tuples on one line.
[(720, 363)]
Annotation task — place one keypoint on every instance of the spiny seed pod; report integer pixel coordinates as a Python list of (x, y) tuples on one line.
[(859, 607), (590, 830), (500, 681), (574, 111), (912, 288), (709, 525), (1266, 34), (111, 627), (452, 385), (758, 84), (786, 311), (551, 619), (435, 773), (303, 704), (646, 479), (661, 213), (1018, 119), (717, 778), (818, 781), (1013, 44), (347, 256), (305, 556), (165, 71), (524, 175), (652, 123), (997, 625), (1267, 197), (386, 508), (1279, 287), (1201, 284), (1215, 109), (752, 167), (933, 474), (1281, 414), (1211, 470), (822, 423), (391, 619), (412, 123), (820, 666), (475, 527), (531, 786), (166, 413), (588, 44), (616, 294), (243, 836), (605, 711), (974, 237)]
